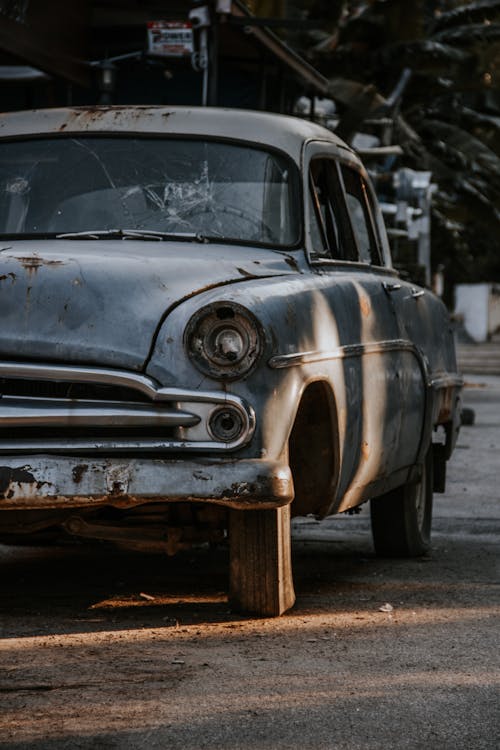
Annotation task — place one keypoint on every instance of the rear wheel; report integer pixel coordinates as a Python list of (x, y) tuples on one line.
[(401, 519)]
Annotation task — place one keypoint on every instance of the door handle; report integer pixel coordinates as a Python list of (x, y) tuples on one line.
[(416, 293), (391, 287)]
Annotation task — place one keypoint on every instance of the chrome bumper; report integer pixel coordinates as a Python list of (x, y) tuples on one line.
[(49, 482)]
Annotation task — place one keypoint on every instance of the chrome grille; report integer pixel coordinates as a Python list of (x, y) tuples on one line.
[(85, 410)]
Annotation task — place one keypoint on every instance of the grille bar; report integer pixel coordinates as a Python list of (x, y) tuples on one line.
[(37, 412), (99, 376)]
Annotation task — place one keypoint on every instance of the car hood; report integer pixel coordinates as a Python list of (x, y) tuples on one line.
[(102, 301)]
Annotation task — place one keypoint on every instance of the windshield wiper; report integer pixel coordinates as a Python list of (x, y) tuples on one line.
[(131, 234)]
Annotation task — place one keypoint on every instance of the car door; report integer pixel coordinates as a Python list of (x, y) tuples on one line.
[(382, 383)]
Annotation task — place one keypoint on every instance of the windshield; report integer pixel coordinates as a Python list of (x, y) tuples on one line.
[(84, 184)]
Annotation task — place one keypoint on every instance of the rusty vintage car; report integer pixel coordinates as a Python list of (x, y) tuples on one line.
[(202, 335)]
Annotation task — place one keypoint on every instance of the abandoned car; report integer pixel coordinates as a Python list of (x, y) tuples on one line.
[(202, 336)]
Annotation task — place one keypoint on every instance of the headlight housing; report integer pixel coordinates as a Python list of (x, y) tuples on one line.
[(224, 340)]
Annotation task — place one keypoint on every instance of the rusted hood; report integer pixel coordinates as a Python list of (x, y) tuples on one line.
[(101, 302)]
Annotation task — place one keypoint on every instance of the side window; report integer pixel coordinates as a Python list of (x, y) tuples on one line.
[(324, 221), (359, 212), (318, 238)]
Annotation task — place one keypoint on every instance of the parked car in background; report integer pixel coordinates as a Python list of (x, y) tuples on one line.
[(202, 335)]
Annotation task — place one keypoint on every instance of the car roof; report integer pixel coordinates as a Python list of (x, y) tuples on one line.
[(263, 128)]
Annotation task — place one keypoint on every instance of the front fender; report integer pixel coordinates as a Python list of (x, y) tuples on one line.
[(293, 317)]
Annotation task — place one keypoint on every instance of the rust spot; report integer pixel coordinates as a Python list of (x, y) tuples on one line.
[(292, 262), (364, 304), (33, 262), (11, 276), (290, 316), (239, 490), (19, 474), (243, 490), (117, 488), (89, 115), (78, 472), (247, 274)]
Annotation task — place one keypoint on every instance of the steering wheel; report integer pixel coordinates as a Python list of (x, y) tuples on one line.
[(260, 226)]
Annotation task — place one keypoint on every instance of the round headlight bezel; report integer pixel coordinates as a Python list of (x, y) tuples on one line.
[(224, 340), (226, 424)]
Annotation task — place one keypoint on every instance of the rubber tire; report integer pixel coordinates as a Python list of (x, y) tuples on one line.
[(402, 519)]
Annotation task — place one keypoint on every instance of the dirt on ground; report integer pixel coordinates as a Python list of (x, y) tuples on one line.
[(102, 648)]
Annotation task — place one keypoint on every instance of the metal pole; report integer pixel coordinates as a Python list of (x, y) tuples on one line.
[(213, 60), (206, 67)]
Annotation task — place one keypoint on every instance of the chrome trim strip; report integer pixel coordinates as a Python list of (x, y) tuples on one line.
[(447, 380), (81, 446), (438, 381), (280, 361), (65, 374), (39, 412)]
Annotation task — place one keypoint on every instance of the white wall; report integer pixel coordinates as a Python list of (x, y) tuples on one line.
[(471, 303), (494, 309)]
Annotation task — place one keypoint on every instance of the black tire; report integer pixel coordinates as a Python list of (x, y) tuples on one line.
[(402, 519)]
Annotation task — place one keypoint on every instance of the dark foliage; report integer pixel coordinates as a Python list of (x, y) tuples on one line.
[(448, 117)]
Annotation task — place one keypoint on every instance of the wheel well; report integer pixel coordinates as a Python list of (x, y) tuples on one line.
[(313, 451)]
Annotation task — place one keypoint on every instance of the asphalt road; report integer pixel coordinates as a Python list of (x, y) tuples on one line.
[(103, 649)]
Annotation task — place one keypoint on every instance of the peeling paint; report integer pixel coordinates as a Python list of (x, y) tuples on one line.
[(117, 479), (19, 480), (10, 475), (202, 475), (78, 472), (242, 490)]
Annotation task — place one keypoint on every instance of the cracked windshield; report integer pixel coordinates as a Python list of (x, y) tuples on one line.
[(181, 187)]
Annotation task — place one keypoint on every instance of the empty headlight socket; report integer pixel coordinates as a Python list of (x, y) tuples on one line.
[(224, 340)]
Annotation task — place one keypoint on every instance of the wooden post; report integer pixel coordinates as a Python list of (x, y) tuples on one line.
[(261, 579)]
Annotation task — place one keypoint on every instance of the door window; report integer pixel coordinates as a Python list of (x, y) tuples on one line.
[(360, 216), (325, 210)]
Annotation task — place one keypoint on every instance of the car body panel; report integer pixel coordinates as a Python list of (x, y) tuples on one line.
[(284, 133), (100, 302), (68, 483)]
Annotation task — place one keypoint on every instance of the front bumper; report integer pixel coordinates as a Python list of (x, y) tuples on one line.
[(57, 482)]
